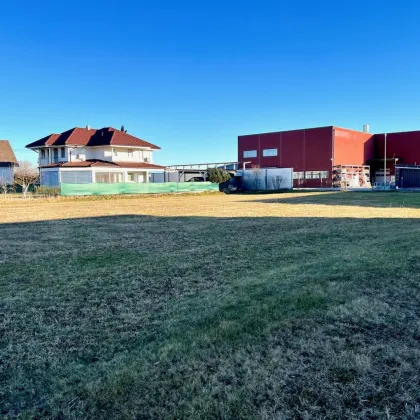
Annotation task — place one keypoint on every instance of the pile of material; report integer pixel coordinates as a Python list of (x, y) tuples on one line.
[(348, 176)]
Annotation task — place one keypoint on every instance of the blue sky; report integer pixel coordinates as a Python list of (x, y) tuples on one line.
[(191, 76)]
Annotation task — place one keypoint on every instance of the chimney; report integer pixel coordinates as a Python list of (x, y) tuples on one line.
[(88, 127), (366, 128)]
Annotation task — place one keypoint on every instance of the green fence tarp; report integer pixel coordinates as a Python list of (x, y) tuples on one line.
[(132, 188)]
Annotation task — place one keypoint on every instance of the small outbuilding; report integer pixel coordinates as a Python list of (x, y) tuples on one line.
[(7, 162)]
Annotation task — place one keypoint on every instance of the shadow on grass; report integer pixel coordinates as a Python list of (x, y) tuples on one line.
[(201, 317), (374, 199)]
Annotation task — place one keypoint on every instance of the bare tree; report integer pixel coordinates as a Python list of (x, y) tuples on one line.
[(4, 187), (6, 181), (256, 174), (26, 174)]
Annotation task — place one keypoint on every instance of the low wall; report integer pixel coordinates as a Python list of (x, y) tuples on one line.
[(132, 188)]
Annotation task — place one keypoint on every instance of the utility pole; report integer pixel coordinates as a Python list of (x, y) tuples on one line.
[(385, 162)]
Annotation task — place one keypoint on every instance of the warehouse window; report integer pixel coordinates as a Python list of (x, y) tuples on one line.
[(250, 153), (316, 174), (298, 175), (269, 152)]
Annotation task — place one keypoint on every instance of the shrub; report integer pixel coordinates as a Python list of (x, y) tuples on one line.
[(217, 175), (48, 191)]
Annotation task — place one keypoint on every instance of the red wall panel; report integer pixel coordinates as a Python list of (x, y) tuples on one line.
[(249, 142), (293, 150), (318, 149), (405, 146), (270, 141), (352, 147)]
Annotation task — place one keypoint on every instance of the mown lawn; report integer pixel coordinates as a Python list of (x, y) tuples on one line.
[(211, 307)]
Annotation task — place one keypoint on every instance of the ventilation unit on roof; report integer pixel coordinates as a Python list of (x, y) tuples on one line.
[(88, 127), (366, 128)]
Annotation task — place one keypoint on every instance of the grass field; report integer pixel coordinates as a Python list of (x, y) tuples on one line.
[(215, 306)]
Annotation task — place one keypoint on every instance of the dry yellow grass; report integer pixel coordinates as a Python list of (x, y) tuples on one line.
[(358, 205)]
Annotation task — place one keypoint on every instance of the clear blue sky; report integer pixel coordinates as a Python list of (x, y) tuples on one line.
[(191, 76)]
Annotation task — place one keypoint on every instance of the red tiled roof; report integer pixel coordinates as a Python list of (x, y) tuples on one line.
[(91, 137), (139, 165), (101, 163), (6, 152)]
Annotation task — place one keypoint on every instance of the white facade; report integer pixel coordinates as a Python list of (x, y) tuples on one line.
[(54, 154)]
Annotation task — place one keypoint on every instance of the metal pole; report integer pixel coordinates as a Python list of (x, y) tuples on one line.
[(385, 162)]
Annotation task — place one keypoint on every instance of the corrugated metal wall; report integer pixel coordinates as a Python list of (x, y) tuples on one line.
[(407, 177), (6, 174)]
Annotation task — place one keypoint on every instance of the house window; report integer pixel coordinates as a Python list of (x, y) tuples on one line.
[(109, 177), (131, 177), (269, 152), (43, 153), (76, 177), (250, 153), (114, 152), (63, 152), (130, 153)]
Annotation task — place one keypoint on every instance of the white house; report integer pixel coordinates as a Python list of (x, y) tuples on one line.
[(85, 155)]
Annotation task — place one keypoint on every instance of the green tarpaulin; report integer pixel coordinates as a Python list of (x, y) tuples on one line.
[(132, 188)]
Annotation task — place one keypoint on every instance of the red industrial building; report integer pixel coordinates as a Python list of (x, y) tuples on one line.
[(320, 156)]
